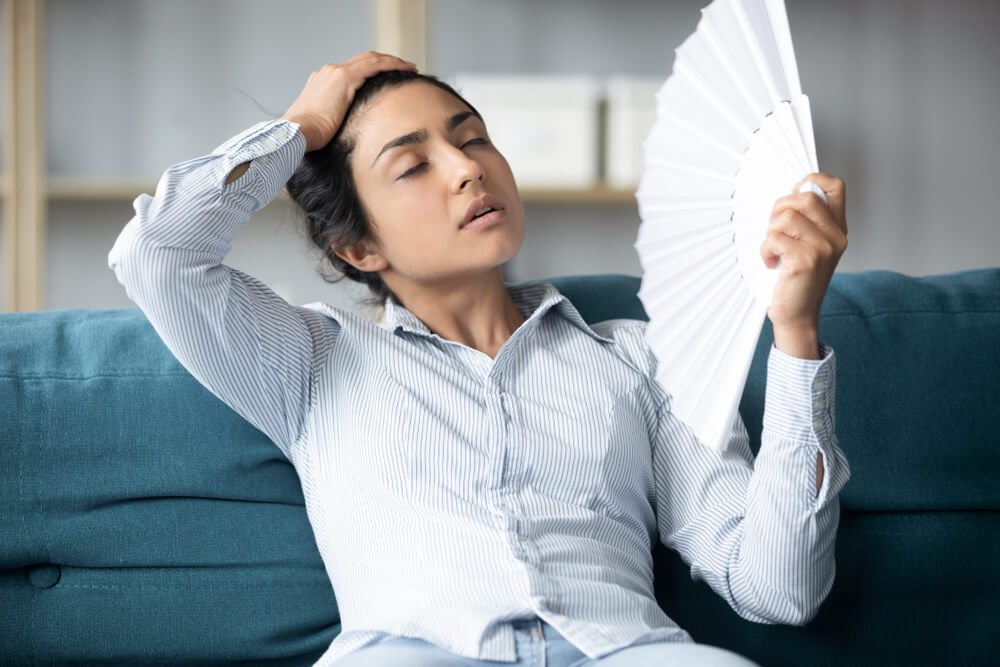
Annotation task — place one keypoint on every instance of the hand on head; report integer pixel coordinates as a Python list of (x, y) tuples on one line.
[(321, 106)]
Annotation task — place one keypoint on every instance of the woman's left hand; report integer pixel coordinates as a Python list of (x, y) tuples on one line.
[(808, 237)]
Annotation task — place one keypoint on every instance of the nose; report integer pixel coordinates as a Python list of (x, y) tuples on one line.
[(465, 170)]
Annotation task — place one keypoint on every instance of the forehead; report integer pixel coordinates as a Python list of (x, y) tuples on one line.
[(403, 109)]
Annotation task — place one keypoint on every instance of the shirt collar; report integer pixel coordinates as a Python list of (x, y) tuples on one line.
[(533, 299)]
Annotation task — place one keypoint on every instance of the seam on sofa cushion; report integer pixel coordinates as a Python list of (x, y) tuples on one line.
[(849, 313), (97, 376)]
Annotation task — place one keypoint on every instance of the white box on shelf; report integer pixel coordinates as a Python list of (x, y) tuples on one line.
[(631, 111), (546, 126)]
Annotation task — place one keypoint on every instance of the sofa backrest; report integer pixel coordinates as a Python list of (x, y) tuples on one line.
[(918, 381)]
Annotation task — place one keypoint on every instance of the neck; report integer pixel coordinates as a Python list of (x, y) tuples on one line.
[(476, 312)]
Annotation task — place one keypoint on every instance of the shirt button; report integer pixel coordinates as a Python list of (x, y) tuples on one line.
[(818, 404), (818, 424), (506, 417)]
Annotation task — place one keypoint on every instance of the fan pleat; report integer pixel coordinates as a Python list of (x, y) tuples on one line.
[(664, 208), (803, 119), (663, 167), (687, 143), (771, 19), (678, 259), (788, 128), (672, 292), (677, 346), (707, 325), (679, 185), (724, 383), (741, 341), (724, 38), (686, 98), (678, 225), (696, 61)]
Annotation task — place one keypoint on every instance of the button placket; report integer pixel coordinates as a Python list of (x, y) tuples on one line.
[(503, 507), (819, 407), (507, 507)]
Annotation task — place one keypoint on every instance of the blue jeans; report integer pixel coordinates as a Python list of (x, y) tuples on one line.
[(539, 645)]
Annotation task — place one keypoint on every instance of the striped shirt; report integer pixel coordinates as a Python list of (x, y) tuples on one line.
[(450, 493)]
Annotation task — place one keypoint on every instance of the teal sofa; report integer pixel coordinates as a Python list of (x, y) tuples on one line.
[(143, 521)]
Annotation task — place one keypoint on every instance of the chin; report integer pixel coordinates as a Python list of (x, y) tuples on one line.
[(515, 247)]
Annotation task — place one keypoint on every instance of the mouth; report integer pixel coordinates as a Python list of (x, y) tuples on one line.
[(483, 212)]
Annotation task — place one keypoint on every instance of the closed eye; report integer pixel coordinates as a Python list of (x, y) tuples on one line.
[(412, 170), (478, 140)]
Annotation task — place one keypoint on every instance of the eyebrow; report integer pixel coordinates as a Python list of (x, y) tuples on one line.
[(420, 136)]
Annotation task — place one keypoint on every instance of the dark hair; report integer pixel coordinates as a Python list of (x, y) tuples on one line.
[(323, 189)]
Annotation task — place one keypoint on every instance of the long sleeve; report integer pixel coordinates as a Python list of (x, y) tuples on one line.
[(756, 530), (236, 336)]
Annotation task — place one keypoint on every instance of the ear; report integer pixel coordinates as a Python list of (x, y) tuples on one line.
[(362, 256)]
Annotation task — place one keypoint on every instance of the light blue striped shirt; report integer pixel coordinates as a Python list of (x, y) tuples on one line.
[(451, 493)]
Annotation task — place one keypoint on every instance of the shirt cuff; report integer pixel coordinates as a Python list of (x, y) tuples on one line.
[(800, 395), (274, 149), (799, 418)]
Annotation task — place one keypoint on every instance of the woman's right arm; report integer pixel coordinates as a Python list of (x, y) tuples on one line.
[(236, 336)]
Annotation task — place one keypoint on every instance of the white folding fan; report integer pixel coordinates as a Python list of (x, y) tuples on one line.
[(732, 134)]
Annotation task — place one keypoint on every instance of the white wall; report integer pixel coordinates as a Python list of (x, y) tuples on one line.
[(904, 95)]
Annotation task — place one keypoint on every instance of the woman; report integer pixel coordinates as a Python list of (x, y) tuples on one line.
[(484, 472)]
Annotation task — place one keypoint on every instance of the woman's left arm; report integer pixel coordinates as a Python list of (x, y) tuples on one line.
[(758, 530), (808, 237)]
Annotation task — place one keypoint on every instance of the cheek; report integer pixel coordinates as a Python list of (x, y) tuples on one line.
[(409, 226), (502, 167)]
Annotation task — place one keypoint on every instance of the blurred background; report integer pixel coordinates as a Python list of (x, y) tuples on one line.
[(101, 96)]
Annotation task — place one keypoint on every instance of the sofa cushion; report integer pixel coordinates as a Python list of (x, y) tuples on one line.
[(159, 512)]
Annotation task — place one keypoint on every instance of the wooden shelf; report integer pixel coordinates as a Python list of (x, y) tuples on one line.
[(69, 189), (110, 190), (599, 194), (66, 189)]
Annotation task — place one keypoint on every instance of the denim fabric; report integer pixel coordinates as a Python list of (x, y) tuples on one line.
[(540, 645)]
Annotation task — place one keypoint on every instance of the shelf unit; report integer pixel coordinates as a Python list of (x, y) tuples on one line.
[(110, 190), (22, 182), (400, 27)]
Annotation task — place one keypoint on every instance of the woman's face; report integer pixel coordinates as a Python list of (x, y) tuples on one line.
[(421, 160)]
